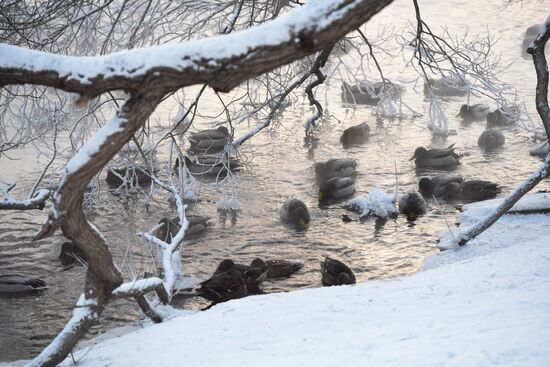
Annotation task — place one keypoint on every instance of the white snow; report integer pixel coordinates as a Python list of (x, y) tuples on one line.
[(485, 304), (377, 203)]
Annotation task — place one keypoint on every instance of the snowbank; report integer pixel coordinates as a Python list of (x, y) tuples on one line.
[(486, 304)]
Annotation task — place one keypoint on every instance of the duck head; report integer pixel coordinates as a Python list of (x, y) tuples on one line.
[(258, 263), (419, 153), (426, 186), (225, 265)]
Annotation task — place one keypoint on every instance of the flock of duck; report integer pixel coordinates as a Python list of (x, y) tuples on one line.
[(335, 180)]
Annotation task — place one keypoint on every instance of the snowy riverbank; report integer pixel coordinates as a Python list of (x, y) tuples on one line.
[(485, 304)]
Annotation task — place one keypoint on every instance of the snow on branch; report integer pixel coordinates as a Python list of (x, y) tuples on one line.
[(38, 201), (142, 286), (222, 61)]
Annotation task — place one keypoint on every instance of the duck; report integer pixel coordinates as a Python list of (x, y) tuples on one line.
[(474, 112), (412, 204), (540, 150), (436, 185), (223, 287), (369, 93), (277, 268), (209, 141), (253, 276), (469, 191), (197, 225), (445, 87), (491, 138), (436, 157), (70, 254), (501, 117), (336, 167), (336, 188), (20, 283), (335, 272), (294, 212), (210, 165), (355, 135), (134, 175)]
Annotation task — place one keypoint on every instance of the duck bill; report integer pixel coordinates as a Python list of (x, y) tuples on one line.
[(413, 157), (301, 222)]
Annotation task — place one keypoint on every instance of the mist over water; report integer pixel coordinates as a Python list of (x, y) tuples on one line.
[(280, 164)]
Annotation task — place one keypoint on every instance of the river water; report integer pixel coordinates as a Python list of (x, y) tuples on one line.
[(279, 165)]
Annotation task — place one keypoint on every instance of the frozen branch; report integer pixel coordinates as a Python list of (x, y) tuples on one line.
[(38, 201)]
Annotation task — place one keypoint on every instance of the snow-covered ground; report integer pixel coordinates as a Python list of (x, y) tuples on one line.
[(482, 305)]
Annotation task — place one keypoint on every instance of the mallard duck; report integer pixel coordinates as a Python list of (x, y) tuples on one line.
[(295, 212), (502, 117), (253, 276), (445, 87), (474, 112), (20, 283), (277, 268), (336, 167), (210, 165), (197, 225), (70, 254), (491, 138), (412, 204), (133, 175), (336, 188), (369, 93), (436, 157), (223, 287), (474, 190), (357, 134), (334, 272), (436, 185), (209, 141)]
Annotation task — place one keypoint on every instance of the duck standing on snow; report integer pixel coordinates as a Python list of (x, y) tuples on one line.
[(474, 112), (295, 212), (491, 138), (209, 141), (334, 272), (437, 158), (354, 135), (20, 283), (277, 268), (412, 204)]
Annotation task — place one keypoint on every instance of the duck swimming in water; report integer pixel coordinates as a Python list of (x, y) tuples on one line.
[(20, 283), (354, 135), (294, 212), (491, 138), (336, 167), (335, 272), (336, 188), (209, 141), (474, 112), (445, 87), (502, 117), (412, 204), (196, 225), (469, 191), (436, 158), (436, 185), (277, 268), (253, 276)]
